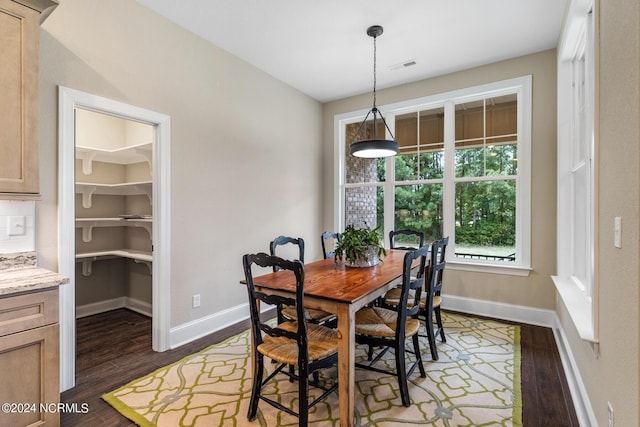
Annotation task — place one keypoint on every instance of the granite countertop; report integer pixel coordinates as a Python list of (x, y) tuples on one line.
[(19, 273)]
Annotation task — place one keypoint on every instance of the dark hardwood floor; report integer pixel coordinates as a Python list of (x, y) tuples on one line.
[(114, 348)]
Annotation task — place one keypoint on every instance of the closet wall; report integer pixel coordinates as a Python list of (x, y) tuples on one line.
[(113, 214)]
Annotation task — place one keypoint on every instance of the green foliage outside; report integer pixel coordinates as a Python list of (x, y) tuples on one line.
[(485, 211)]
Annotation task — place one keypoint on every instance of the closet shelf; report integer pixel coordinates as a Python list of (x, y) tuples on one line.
[(87, 225), (87, 258), (124, 156), (88, 189)]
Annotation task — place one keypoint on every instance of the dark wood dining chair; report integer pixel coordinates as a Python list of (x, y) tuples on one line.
[(325, 238), (431, 301), (307, 346), (273, 245), (406, 239), (410, 237), (289, 313), (286, 240), (389, 329)]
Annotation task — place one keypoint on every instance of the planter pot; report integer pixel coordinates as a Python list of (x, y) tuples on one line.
[(370, 260)]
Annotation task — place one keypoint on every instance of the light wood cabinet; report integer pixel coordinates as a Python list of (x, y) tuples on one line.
[(19, 43), (29, 359)]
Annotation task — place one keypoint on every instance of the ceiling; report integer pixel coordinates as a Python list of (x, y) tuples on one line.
[(322, 49)]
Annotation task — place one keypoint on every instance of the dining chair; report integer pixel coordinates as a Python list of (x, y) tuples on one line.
[(410, 237), (289, 313), (325, 237), (407, 239), (273, 245), (431, 301), (390, 329), (308, 346), (286, 240)]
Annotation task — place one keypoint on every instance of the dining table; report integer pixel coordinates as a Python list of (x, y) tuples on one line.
[(330, 285)]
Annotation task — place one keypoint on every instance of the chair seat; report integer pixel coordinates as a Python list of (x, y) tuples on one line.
[(381, 322), (322, 343), (392, 298), (310, 314)]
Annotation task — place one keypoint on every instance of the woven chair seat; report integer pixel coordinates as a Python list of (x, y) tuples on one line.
[(392, 298), (310, 314), (322, 342), (381, 322)]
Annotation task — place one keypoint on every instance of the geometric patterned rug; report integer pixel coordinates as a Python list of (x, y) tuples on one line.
[(475, 382)]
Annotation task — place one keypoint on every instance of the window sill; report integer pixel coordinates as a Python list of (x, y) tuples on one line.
[(510, 270), (578, 305)]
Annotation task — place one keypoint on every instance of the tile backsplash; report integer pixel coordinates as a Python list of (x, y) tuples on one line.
[(22, 237)]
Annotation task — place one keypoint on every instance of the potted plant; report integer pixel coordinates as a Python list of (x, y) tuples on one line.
[(359, 247)]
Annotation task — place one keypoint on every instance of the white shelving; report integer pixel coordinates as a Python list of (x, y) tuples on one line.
[(124, 156), (129, 155), (88, 189), (87, 258), (88, 224)]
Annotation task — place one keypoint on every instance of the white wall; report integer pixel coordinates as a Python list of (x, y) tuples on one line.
[(245, 147)]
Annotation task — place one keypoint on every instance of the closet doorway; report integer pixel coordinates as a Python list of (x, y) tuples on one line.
[(113, 215)]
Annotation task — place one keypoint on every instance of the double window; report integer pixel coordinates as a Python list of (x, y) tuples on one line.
[(462, 171)]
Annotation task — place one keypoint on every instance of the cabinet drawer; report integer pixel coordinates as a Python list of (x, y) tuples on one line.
[(28, 311)]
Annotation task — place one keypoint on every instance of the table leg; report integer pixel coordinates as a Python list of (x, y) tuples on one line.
[(346, 364)]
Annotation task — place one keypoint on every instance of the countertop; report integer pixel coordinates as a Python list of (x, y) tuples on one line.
[(18, 273)]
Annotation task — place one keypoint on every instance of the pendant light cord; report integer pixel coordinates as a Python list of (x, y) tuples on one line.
[(374, 147), (374, 71)]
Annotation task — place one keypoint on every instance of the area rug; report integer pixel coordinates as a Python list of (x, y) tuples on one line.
[(475, 382)]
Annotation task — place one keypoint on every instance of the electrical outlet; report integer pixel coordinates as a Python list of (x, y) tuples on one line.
[(196, 301), (609, 414), (16, 226)]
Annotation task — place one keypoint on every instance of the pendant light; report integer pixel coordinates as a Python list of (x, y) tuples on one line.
[(375, 147)]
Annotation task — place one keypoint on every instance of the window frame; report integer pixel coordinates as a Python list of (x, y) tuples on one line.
[(521, 86), (579, 295)]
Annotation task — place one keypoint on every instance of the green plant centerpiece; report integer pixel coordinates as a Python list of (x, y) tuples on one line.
[(359, 247)]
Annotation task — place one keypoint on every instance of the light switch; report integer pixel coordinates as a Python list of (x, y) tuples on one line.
[(16, 226), (617, 232)]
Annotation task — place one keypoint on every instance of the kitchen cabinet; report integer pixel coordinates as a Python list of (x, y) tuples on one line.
[(19, 44), (29, 358)]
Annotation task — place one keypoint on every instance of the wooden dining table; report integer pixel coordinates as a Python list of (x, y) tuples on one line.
[(333, 287)]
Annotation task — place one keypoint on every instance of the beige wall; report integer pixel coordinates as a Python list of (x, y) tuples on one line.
[(245, 147), (225, 112), (611, 369), (536, 290)]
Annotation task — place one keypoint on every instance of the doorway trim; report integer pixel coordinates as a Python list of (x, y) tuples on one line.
[(68, 101)]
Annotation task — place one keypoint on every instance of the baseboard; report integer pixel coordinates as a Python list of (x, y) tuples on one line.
[(496, 310), (203, 326), (581, 402), (132, 304)]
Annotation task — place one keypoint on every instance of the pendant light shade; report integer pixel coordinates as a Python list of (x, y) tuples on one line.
[(374, 147)]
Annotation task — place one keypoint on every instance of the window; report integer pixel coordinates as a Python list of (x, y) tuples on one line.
[(576, 152), (462, 171), (485, 173)]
